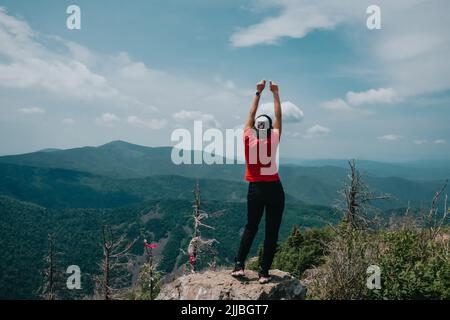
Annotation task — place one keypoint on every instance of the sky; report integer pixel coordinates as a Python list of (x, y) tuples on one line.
[(136, 71)]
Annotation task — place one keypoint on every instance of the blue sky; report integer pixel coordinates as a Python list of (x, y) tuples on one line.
[(136, 71)]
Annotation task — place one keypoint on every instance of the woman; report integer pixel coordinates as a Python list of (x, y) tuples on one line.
[(265, 192)]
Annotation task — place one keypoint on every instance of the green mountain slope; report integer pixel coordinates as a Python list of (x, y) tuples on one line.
[(59, 188), (120, 159), (24, 229)]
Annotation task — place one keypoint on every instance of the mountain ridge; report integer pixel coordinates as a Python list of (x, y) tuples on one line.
[(315, 185), (125, 159)]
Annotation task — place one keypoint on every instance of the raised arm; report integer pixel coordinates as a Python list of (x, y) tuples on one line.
[(277, 105), (255, 103)]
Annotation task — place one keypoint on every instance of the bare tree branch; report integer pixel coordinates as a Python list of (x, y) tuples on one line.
[(114, 251)]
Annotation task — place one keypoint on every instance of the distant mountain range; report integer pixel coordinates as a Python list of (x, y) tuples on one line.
[(415, 170), (315, 181), (120, 159)]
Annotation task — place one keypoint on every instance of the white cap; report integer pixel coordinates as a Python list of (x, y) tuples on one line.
[(262, 123)]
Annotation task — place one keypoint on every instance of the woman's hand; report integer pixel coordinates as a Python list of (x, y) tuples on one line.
[(254, 107), (273, 87), (277, 106), (260, 86)]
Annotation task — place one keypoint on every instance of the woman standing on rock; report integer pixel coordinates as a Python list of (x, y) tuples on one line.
[(265, 191)]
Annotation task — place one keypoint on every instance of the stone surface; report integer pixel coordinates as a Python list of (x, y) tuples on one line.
[(220, 285)]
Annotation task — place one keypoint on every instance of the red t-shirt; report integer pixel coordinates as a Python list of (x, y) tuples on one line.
[(260, 156)]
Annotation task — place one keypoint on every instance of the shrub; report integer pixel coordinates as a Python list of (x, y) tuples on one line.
[(343, 274), (302, 250), (148, 284), (413, 266)]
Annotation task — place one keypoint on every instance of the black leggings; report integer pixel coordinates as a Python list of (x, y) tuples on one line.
[(269, 196)]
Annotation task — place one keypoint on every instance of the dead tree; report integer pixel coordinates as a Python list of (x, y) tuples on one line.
[(149, 252), (198, 244), (357, 198), (431, 219), (115, 260), (49, 287)]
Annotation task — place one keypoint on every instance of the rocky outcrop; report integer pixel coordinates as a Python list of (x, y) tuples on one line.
[(219, 285)]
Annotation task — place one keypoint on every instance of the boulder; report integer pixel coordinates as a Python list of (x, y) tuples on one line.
[(220, 285)]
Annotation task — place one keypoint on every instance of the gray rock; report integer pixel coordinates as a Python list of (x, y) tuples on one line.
[(220, 285)]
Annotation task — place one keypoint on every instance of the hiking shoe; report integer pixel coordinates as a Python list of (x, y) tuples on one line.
[(264, 278), (238, 270), (238, 273)]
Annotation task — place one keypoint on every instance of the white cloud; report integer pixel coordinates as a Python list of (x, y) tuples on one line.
[(420, 141), (157, 87), (76, 72), (68, 121), (154, 124), (190, 116), (295, 20), (354, 99), (410, 54), (29, 64), (15, 37), (312, 132), (381, 95), (71, 79), (390, 137), (291, 113), (316, 131), (336, 105), (231, 86), (32, 110), (107, 119), (293, 134), (80, 53), (413, 55), (226, 83), (424, 141)]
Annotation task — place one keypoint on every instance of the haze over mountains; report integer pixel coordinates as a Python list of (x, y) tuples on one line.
[(415, 170)]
